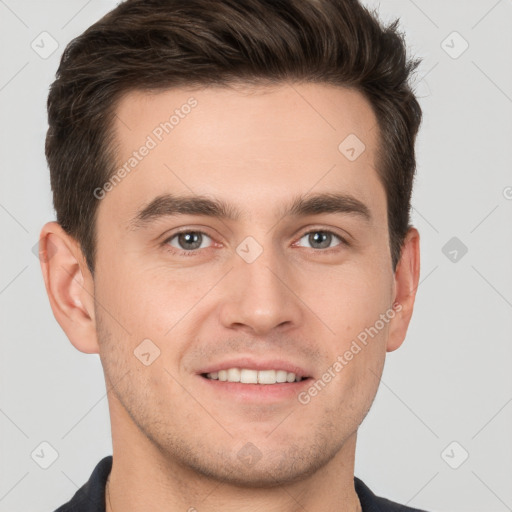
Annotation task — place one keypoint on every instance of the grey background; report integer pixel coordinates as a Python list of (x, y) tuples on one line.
[(450, 381)]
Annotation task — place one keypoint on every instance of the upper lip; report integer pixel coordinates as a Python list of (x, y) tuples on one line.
[(256, 364)]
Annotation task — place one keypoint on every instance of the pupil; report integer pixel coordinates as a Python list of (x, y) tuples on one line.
[(313, 238), (190, 238)]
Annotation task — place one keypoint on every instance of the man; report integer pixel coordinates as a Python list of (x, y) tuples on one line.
[(232, 182)]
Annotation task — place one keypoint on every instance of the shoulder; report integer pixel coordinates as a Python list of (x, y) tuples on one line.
[(91, 496), (372, 503)]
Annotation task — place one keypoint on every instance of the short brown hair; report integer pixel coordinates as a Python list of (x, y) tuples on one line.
[(159, 44)]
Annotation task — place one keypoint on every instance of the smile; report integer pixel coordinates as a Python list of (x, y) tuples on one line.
[(248, 376)]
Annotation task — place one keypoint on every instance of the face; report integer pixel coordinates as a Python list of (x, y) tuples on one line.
[(182, 291)]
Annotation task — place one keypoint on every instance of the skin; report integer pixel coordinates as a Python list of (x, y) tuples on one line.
[(175, 441)]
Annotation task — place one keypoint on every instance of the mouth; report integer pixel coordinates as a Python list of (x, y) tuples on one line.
[(248, 380), (256, 387), (252, 376)]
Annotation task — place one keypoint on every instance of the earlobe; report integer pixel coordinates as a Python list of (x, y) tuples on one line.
[(69, 286), (406, 283)]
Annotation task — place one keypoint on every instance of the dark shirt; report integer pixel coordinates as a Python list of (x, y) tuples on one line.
[(91, 496)]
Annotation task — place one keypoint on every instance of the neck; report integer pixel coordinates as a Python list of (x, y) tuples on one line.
[(142, 475), (131, 488)]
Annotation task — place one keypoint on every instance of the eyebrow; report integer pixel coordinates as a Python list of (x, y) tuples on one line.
[(307, 204)]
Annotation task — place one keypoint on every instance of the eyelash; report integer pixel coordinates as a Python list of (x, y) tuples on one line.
[(195, 252)]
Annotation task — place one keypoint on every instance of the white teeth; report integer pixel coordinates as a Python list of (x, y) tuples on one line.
[(281, 376), (267, 376), (247, 376), (233, 375)]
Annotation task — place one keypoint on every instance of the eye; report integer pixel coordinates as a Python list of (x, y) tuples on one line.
[(321, 238), (187, 241)]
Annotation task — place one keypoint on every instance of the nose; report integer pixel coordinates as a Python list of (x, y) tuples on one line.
[(262, 295)]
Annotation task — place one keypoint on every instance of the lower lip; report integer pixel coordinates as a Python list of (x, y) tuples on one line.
[(268, 392)]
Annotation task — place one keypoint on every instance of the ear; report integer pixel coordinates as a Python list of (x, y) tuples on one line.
[(406, 282), (69, 285)]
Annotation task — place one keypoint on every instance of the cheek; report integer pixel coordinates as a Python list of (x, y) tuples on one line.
[(150, 312), (348, 298), (144, 303), (355, 305)]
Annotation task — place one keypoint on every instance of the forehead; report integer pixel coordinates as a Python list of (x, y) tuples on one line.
[(248, 145), (245, 113)]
